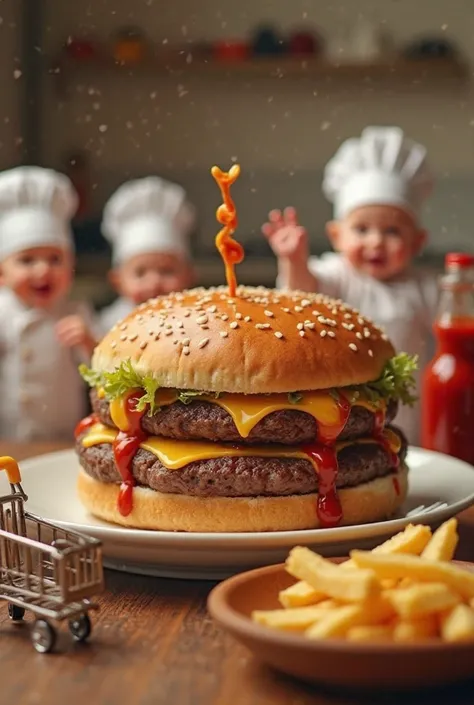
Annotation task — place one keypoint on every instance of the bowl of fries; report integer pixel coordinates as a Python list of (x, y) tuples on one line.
[(399, 616)]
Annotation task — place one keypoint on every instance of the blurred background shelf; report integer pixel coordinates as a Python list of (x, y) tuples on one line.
[(437, 72)]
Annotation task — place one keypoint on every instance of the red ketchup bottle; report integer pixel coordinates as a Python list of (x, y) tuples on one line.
[(448, 382)]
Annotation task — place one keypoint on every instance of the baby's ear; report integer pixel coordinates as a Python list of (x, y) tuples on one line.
[(333, 229)]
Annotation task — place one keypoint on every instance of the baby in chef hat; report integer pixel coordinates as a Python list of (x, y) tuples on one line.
[(377, 184), (43, 336), (148, 222)]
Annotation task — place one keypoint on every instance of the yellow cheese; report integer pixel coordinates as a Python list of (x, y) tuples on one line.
[(176, 454), (247, 410)]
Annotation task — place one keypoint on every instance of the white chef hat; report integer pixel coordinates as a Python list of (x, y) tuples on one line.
[(36, 207), (381, 167), (147, 215)]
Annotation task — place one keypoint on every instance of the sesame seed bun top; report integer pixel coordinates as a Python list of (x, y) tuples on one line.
[(261, 341)]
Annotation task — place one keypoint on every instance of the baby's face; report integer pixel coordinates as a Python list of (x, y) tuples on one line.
[(153, 274), (380, 241), (39, 276)]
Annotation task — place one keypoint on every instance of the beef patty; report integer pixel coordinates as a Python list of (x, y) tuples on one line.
[(241, 476), (207, 421)]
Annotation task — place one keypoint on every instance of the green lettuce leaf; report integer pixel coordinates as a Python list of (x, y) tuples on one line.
[(396, 381), (295, 397)]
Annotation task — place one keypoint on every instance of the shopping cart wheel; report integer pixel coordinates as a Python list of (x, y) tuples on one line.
[(80, 627), (43, 636), (15, 613)]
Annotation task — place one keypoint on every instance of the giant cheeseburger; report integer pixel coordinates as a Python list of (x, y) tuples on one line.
[(261, 411)]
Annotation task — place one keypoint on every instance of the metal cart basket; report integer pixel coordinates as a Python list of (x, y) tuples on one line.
[(44, 568)]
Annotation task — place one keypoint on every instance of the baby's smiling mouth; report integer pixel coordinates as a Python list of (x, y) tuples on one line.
[(42, 289)]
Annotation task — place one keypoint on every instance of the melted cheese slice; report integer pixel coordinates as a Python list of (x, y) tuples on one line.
[(247, 410), (176, 454)]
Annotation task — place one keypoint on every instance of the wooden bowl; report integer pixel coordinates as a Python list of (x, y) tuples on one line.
[(332, 662)]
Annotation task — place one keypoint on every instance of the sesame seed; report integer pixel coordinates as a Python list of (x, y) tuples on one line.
[(175, 342), (331, 322), (353, 347), (305, 302), (202, 343), (157, 336), (123, 337), (359, 335), (143, 344), (223, 334), (331, 334), (234, 325), (302, 333), (212, 309), (366, 333), (309, 325), (334, 311), (140, 318), (348, 326), (225, 317), (247, 319), (204, 327), (300, 326), (298, 309), (384, 337), (348, 315), (238, 316), (180, 324), (260, 326), (316, 313), (151, 332), (323, 333), (186, 314), (371, 354), (278, 334), (133, 337), (269, 314), (230, 301), (321, 319), (113, 344), (360, 321), (202, 319), (123, 326), (168, 332), (168, 325), (186, 341), (286, 310), (186, 351)]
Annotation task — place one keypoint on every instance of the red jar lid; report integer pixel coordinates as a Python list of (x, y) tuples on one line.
[(459, 259)]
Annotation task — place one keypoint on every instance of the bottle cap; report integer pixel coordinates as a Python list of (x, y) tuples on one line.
[(462, 260)]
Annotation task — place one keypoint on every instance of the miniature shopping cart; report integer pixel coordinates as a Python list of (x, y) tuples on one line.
[(44, 568)]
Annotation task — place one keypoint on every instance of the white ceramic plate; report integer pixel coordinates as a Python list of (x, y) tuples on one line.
[(440, 487)]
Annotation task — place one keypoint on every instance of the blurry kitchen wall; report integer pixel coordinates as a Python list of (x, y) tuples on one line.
[(10, 78), (282, 131)]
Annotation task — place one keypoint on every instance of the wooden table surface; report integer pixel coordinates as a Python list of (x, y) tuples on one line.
[(153, 643)]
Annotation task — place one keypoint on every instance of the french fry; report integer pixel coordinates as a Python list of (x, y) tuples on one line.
[(458, 625), (413, 539), (377, 632), (296, 619), (416, 629), (443, 542), (416, 568), (324, 576), (299, 595), (420, 600), (336, 623)]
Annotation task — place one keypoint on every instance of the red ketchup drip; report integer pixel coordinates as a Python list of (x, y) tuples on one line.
[(85, 424), (328, 434), (325, 459), (323, 456), (125, 446)]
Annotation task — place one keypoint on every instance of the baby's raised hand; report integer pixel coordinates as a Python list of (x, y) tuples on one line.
[(72, 331), (286, 237)]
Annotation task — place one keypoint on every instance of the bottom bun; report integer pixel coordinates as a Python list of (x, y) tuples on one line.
[(372, 501)]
